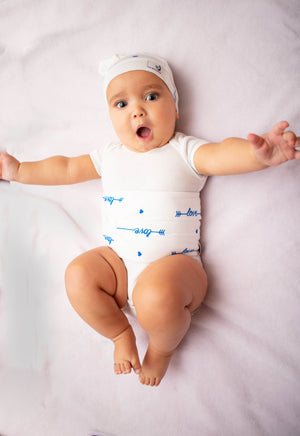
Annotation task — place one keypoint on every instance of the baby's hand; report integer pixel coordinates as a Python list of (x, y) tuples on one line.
[(276, 146), (8, 166)]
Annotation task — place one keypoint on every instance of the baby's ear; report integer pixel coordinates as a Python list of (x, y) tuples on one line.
[(177, 115)]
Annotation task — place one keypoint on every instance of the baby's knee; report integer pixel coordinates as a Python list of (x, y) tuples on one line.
[(155, 302), (75, 277)]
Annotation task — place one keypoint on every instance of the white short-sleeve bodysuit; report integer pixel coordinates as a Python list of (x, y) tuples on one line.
[(150, 202)]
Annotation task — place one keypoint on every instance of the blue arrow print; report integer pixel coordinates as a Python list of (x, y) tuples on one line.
[(146, 232), (190, 212), (110, 200)]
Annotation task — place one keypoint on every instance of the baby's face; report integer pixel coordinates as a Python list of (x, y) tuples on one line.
[(142, 110)]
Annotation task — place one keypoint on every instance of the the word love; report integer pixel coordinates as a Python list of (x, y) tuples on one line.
[(142, 231), (190, 212)]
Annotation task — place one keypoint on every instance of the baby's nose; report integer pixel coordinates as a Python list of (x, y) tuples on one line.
[(138, 111), (138, 114)]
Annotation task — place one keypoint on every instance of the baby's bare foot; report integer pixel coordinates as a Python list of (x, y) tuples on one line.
[(126, 354), (154, 367)]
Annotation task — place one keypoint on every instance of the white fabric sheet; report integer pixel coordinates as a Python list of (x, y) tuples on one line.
[(237, 372)]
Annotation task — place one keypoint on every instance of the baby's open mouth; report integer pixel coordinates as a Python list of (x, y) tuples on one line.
[(143, 132)]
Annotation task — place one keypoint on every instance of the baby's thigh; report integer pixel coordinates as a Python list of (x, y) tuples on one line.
[(173, 282), (100, 268)]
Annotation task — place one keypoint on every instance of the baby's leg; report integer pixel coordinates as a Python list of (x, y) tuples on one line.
[(166, 293), (96, 284)]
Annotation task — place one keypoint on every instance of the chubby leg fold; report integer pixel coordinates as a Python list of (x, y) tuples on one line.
[(165, 295)]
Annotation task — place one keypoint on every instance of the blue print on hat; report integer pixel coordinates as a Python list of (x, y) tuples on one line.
[(153, 66)]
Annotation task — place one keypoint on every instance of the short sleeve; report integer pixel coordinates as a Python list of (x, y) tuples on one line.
[(188, 145), (96, 156)]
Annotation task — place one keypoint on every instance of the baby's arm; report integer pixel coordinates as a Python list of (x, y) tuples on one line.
[(57, 170), (238, 156)]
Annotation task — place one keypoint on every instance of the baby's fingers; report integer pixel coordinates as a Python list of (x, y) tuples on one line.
[(258, 142), (291, 145), (280, 127), (255, 140), (297, 144), (290, 138)]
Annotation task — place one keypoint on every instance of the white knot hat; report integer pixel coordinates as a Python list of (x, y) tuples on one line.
[(119, 64)]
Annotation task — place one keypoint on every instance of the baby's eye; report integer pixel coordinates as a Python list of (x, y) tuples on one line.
[(152, 96), (121, 104)]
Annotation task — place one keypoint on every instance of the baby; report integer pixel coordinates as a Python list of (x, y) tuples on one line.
[(150, 257)]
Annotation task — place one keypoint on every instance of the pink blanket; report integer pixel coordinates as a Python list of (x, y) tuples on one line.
[(237, 372)]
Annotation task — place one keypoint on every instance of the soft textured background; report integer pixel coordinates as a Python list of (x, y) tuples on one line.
[(236, 64)]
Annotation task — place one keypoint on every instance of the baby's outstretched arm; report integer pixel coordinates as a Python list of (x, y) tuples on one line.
[(57, 170), (277, 146), (238, 156)]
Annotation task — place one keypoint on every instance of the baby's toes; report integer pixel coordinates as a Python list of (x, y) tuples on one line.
[(147, 381), (126, 367), (142, 378), (117, 368), (136, 367)]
